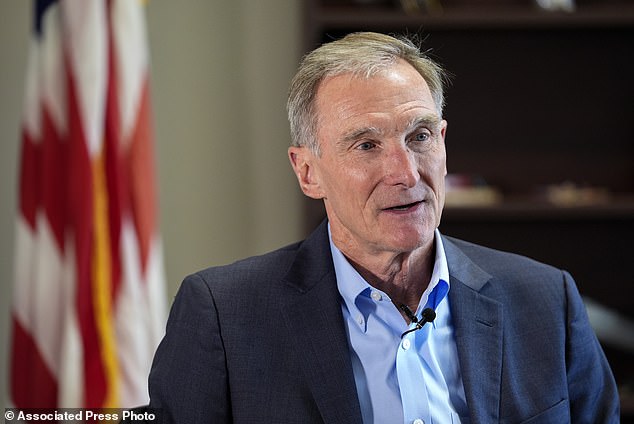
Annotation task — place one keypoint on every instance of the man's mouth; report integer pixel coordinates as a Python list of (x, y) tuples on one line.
[(404, 207)]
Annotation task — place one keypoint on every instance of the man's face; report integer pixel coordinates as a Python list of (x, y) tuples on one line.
[(382, 164)]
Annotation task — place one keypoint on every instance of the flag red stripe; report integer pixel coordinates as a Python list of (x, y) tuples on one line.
[(81, 216), (32, 383), (29, 179), (54, 176), (115, 175), (141, 170)]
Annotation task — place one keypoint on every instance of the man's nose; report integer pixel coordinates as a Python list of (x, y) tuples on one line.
[(401, 167)]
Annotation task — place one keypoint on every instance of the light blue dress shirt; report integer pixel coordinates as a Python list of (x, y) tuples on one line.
[(413, 380)]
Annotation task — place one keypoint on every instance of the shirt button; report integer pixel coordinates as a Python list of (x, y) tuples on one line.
[(406, 344), (360, 319), (418, 421), (375, 295)]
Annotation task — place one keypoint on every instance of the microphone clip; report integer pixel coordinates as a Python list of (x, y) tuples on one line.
[(428, 315)]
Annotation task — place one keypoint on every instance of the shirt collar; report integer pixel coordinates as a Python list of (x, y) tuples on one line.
[(351, 284), (439, 283)]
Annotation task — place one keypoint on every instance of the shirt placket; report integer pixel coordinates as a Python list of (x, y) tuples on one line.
[(409, 370)]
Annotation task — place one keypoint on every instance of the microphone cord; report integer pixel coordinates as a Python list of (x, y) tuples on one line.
[(428, 315)]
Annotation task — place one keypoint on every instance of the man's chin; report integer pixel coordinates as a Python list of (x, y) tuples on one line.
[(409, 241)]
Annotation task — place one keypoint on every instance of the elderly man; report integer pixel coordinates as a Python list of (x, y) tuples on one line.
[(376, 317)]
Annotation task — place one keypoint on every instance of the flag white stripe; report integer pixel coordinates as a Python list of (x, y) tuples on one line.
[(48, 302), (71, 371), (132, 58), (136, 303), (38, 300), (86, 38), (24, 272), (50, 67)]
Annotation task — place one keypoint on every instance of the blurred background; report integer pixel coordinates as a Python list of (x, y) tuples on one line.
[(540, 139)]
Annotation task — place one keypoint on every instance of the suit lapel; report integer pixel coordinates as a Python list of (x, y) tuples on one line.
[(477, 321), (313, 315)]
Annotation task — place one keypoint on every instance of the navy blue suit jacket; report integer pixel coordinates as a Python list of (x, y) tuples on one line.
[(263, 341)]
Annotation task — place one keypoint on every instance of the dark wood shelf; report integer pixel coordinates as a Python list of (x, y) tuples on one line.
[(470, 16), (523, 210)]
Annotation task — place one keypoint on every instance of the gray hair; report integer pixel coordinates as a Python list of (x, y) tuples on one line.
[(363, 54)]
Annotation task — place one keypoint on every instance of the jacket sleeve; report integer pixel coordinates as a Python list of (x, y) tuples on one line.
[(188, 381), (593, 394)]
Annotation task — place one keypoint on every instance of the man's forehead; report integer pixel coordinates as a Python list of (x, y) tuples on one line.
[(400, 81)]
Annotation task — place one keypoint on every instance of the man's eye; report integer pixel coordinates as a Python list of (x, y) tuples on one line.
[(366, 145), (422, 136)]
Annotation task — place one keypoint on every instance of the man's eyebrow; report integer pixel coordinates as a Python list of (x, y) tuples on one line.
[(359, 133), (431, 121)]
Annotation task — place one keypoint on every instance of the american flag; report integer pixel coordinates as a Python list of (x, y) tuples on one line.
[(89, 297)]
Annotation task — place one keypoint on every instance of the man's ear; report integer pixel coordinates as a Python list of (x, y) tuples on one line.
[(443, 129), (443, 134), (302, 160)]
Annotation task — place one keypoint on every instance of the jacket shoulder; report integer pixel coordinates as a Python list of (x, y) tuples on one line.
[(252, 270), (496, 262)]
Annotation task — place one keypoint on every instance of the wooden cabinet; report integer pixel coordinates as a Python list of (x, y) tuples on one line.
[(538, 100)]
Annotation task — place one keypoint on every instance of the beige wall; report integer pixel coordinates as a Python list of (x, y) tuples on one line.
[(220, 71)]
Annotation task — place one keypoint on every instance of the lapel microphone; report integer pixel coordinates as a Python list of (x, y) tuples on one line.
[(428, 315)]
